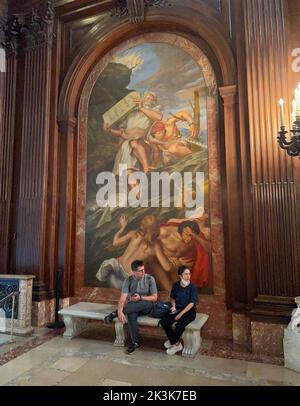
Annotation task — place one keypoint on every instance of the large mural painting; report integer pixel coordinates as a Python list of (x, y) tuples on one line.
[(147, 168)]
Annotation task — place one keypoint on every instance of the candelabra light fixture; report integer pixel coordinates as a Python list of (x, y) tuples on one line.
[(292, 146)]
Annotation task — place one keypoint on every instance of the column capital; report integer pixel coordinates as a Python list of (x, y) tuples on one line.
[(9, 35), (66, 125), (228, 92), (37, 30), (28, 31)]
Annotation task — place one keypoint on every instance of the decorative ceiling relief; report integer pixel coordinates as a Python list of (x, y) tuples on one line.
[(135, 9)]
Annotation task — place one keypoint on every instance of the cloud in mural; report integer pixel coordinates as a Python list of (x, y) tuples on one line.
[(132, 60), (161, 61)]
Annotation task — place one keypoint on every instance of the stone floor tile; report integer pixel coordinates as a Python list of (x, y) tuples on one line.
[(47, 377), (90, 374), (111, 382), (69, 364), (265, 372)]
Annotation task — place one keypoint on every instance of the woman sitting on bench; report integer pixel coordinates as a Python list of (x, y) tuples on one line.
[(184, 297)]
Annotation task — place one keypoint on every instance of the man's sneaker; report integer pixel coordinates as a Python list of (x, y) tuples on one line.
[(167, 344), (175, 348), (132, 347), (110, 317)]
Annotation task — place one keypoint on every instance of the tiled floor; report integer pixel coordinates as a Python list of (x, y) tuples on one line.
[(90, 361)]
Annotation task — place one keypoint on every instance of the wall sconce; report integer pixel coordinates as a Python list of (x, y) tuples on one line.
[(293, 145)]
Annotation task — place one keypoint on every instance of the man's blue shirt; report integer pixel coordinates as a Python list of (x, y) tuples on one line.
[(184, 296)]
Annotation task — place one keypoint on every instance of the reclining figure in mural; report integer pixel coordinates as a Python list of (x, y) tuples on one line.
[(133, 132), (165, 139), (142, 244)]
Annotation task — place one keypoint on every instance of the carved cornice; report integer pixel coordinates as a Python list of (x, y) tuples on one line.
[(10, 35), (135, 9), (36, 30)]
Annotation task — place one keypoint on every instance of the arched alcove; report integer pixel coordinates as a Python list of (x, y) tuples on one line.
[(73, 103)]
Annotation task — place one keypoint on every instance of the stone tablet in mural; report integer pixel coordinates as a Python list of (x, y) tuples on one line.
[(121, 109)]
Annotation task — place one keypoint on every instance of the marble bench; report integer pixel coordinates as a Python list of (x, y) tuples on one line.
[(76, 320)]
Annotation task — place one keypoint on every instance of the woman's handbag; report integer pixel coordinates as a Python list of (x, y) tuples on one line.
[(160, 309)]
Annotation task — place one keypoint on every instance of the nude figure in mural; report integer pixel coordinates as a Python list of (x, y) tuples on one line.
[(142, 244), (133, 131), (185, 244), (165, 139)]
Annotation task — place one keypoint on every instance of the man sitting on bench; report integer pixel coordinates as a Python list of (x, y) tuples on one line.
[(138, 294)]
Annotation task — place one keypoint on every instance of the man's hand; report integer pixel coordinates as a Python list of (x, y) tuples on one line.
[(174, 261), (135, 298), (106, 127), (123, 221), (121, 317), (186, 261), (139, 103)]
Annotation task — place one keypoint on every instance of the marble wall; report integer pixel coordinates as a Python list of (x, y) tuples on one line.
[(267, 338)]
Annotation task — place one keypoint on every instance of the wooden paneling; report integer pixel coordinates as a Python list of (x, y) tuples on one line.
[(277, 234), (276, 214), (29, 127), (7, 137), (32, 158)]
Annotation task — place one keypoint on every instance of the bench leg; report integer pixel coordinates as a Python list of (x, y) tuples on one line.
[(120, 336), (192, 342), (74, 326)]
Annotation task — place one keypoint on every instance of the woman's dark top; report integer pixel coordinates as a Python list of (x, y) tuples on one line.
[(184, 296)]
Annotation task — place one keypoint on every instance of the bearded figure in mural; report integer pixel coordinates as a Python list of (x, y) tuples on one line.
[(184, 243), (133, 132)]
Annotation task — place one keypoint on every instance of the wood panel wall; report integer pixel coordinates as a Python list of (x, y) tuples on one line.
[(25, 150), (8, 83), (274, 187)]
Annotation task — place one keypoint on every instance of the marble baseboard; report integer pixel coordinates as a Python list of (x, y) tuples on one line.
[(19, 331), (43, 312), (241, 330)]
